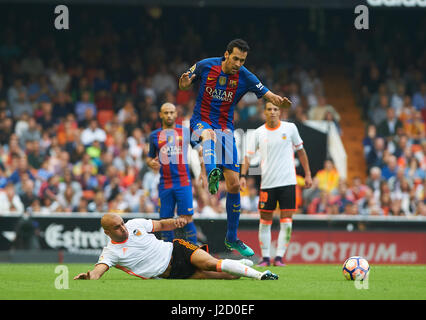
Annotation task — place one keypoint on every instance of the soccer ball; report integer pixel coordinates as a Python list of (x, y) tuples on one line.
[(356, 268)]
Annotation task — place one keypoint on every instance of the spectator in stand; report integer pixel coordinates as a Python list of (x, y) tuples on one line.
[(101, 83), (82, 88), (414, 172), (10, 201), (21, 105), (98, 204), (390, 168), (343, 200), (45, 119), (416, 129), (32, 64), (68, 200), (319, 111), (163, 81), (419, 98), (368, 141), (250, 202), (397, 99), (27, 194), (22, 169), (374, 179), (14, 91), (93, 133), (62, 107), (83, 104), (390, 126), (40, 90), (379, 113), (34, 155), (375, 156), (328, 178), (321, 204), (358, 190), (59, 78), (31, 133), (133, 196)]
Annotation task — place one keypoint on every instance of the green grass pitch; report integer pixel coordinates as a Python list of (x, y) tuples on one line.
[(37, 281)]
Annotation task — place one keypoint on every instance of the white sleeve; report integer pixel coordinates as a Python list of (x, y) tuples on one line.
[(146, 224), (107, 257), (296, 139), (252, 140)]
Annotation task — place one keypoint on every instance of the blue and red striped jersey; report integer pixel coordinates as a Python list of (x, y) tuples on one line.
[(171, 146), (220, 92)]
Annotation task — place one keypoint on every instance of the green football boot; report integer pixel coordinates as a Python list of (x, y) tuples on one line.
[(213, 180), (238, 245)]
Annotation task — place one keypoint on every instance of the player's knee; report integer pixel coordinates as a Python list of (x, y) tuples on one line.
[(233, 186)]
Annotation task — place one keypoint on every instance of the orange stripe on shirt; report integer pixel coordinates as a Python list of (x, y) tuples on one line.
[(128, 271)]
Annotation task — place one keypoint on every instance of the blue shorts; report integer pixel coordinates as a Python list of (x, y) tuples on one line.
[(180, 196), (226, 148)]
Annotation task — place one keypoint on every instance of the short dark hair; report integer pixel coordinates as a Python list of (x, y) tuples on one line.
[(237, 43)]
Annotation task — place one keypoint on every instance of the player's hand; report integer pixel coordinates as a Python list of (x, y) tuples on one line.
[(83, 276), (308, 181), (286, 103), (180, 222), (155, 164), (185, 80)]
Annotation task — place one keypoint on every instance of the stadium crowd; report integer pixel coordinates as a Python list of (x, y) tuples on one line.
[(75, 118)]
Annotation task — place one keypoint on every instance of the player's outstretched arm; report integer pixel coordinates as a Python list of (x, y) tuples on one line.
[(95, 274), (277, 100), (168, 224), (185, 81)]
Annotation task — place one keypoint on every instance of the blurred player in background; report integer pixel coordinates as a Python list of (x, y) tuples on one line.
[(168, 151), (276, 140), (223, 82), (134, 249)]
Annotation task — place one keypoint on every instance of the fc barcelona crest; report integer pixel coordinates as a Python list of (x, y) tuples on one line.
[(232, 83), (222, 80), (170, 139)]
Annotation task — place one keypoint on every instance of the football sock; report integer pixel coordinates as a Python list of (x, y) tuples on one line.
[(233, 210), (190, 232), (284, 236), (265, 237), (167, 236), (209, 155), (236, 268)]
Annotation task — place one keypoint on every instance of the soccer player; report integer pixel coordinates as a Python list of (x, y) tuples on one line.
[(223, 81), (134, 249), (276, 140), (168, 150)]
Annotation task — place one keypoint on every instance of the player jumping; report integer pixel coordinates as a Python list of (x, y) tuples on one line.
[(223, 82)]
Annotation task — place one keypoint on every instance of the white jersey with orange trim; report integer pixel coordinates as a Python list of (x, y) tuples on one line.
[(142, 254), (276, 147)]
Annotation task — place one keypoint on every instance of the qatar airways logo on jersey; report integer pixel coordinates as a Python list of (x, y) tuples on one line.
[(220, 94), (171, 150)]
